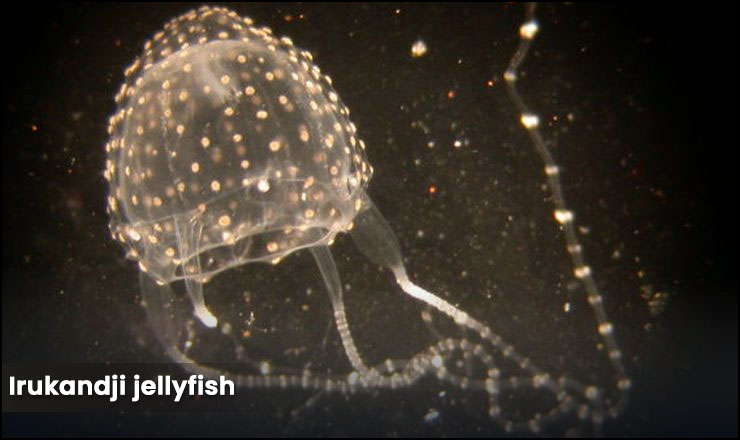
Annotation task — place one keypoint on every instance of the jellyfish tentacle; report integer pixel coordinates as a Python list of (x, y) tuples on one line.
[(195, 292), (376, 240), (161, 312), (190, 245), (164, 312), (329, 273), (167, 313), (562, 214)]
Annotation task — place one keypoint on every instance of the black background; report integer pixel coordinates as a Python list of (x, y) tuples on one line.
[(649, 166)]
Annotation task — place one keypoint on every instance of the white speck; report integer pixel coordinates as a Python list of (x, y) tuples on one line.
[(419, 48), (528, 30), (529, 120), (437, 361), (265, 368), (563, 216), (431, 415)]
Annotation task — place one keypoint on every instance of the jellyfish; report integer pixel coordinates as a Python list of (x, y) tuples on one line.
[(229, 146)]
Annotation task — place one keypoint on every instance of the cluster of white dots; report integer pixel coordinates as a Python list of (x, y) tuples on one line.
[(178, 47)]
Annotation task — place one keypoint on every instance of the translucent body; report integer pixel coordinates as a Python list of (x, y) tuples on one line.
[(228, 147)]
